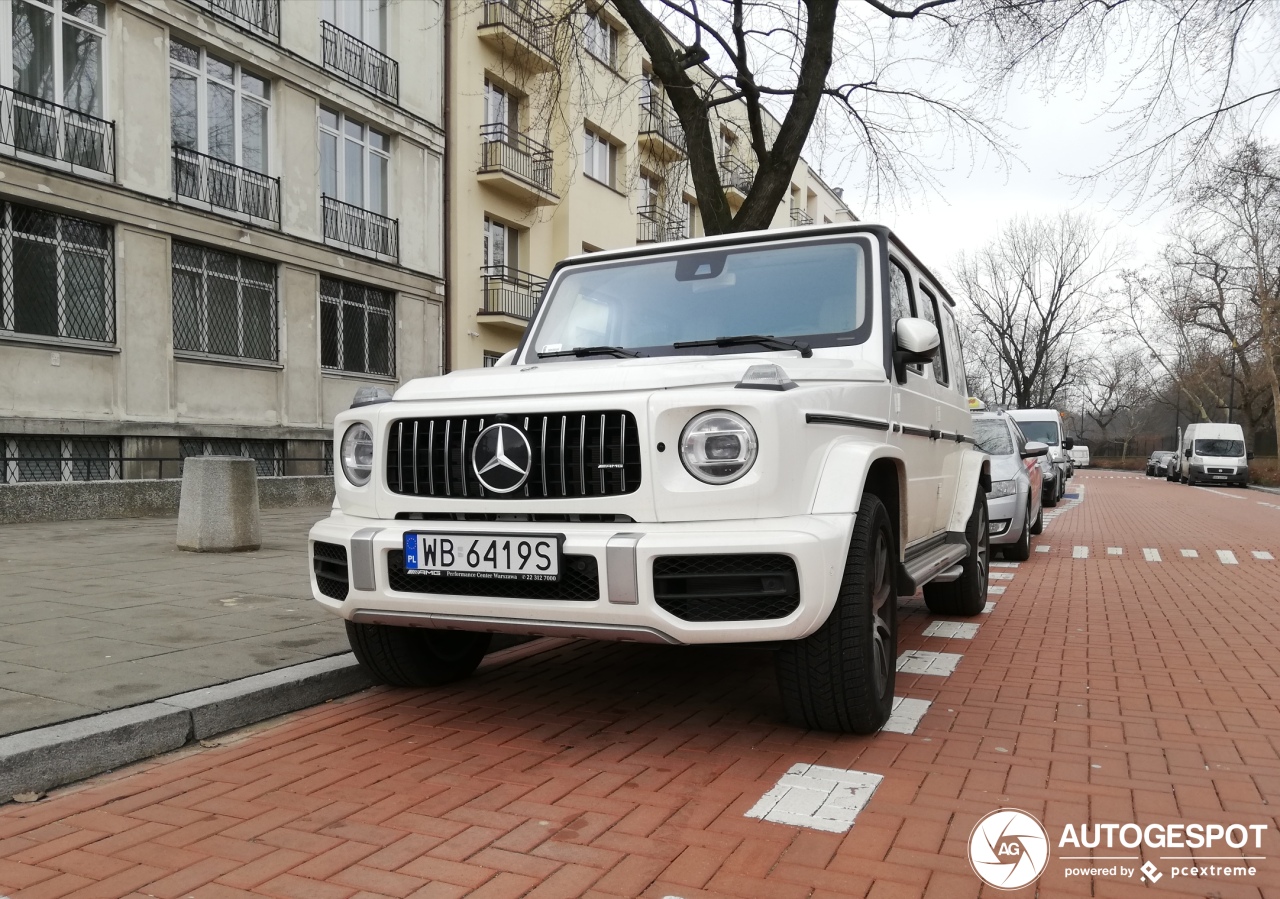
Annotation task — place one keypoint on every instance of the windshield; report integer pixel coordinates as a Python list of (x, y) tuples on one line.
[(1042, 431), (993, 437), (1219, 447), (814, 292)]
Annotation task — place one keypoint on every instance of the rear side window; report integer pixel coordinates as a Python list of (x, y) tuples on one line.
[(951, 337), (929, 310)]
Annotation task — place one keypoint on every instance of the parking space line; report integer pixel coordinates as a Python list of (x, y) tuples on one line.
[(958, 630), (1263, 555), (1189, 554), (1227, 557), (1043, 549), (817, 797), (906, 714), (990, 606), (1115, 551), (998, 591), (1151, 554), (1005, 564), (999, 576), (920, 661), (1080, 552)]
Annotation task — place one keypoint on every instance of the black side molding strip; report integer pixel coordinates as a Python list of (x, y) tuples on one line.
[(916, 432), (823, 418)]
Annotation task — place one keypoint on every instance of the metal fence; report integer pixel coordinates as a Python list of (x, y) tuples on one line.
[(510, 291), (359, 62), (224, 304), (360, 229), (262, 16), (527, 20), (223, 185), (31, 125), (654, 224), (736, 174), (29, 459), (57, 275), (357, 328), (658, 118), (503, 148), (800, 217)]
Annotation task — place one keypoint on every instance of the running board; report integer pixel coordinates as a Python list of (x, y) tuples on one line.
[(934, 563)]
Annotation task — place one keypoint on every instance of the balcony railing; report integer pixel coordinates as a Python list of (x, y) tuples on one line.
[(262, 16), (31, 125), (358, 62), (502, 148), (509, 291), (654, 224), (800, 217), (658, 119), (527, 20), (736, 175), (360, 229), (220, 184)]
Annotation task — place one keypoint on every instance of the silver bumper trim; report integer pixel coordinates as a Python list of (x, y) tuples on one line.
[(362, 559), (531, 626), (620, 569)]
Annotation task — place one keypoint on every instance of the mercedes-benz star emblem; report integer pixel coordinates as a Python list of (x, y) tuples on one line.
[(501, 458)]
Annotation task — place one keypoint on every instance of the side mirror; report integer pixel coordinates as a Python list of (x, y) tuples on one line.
[(1035, 448), (1187, 452), (1248, 457), (915, 341), (1068, 443)]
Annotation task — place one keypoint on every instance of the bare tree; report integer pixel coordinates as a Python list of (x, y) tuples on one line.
[(1121, 399), (1034, 295)]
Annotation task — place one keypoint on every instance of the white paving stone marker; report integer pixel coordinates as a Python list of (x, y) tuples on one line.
[(919, 661), (1080, 552), (998, 591), (999, 576), (1115, 551), (1151, 555), (1189, 554), (1043, 549), (1005, 564), (818, 797), (1227, 557), (958, 630), (1260, 554), (906, 714), (990, 607)]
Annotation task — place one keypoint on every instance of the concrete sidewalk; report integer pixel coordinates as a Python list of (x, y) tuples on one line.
[(100, 615)]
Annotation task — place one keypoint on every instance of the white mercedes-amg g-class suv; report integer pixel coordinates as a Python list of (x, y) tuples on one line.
[(760, 438)]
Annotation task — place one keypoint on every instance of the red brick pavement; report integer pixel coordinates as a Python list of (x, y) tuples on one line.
[(1109, 689)]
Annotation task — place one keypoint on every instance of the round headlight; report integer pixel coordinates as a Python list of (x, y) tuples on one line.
[(357, 454), (718, 447)]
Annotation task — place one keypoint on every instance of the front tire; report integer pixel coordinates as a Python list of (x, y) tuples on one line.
[(840, 678), (967, 594), (1038, 527), (414, 656), (1021, 551)]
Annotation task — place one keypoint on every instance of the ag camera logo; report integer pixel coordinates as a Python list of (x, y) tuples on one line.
[(1008, 849)]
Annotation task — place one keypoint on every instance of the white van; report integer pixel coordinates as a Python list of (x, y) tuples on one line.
[(1214, 454), (1045, 426), (1080, 455)]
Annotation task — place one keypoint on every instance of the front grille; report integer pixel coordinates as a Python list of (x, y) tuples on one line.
[(1220, 470), (329, 560), (579, 582), (575, 454), (726, 587)]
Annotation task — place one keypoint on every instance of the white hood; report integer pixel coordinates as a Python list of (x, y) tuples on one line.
[(609, 375)]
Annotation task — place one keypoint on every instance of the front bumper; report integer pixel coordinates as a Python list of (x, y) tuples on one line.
[(1220, 474), (626, 607), (1009, 513)]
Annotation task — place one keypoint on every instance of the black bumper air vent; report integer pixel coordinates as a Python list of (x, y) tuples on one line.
[(329, 560), (727, 587), (579, 582), (573, 454)]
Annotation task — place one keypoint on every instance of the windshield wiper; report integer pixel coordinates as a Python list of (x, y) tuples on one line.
[(772, 343), (584, 351)]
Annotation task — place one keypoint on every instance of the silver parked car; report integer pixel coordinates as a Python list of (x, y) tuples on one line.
[(1014, 504)]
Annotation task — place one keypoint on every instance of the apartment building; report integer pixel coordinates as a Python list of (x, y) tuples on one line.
[(562, 142), (218, 219)]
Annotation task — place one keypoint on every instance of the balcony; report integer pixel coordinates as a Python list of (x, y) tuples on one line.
[(359, 63), (360, 230), (736, 177), (799, 217), (521, 31), (509, 296), (70, 139), (514, 164), (225, 188), (660, 131), (259, 16), (655, 225)]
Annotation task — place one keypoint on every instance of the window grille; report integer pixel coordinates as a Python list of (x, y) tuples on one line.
[(27, 459), (58, 275), (357, 328), (267, 454), (224, 304)]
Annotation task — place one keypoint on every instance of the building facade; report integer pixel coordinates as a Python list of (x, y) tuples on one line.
[(218, 219), (561, 142)]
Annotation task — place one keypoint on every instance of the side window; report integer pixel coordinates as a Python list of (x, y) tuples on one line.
[(1018, 440), (899, 293), (954, 351), (929, 311)]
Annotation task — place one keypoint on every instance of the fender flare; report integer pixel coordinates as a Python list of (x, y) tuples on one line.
[(975, 473), (844, 476)]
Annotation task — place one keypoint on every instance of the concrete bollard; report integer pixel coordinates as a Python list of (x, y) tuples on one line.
[(218, 508)]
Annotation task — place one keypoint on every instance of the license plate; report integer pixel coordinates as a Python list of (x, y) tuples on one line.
[(1219, 477), (510, 557)]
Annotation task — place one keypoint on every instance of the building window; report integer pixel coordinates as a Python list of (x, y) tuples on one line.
[(365, 20), (353, 34), (690, 218), (224, 304), (501, 111), (357, 328), (601, 39), (501, 247), (24, 459), (491, 358), (601, 159), (648, 189), (267, 454), (217, 108), (354, 162), (58, 275)]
